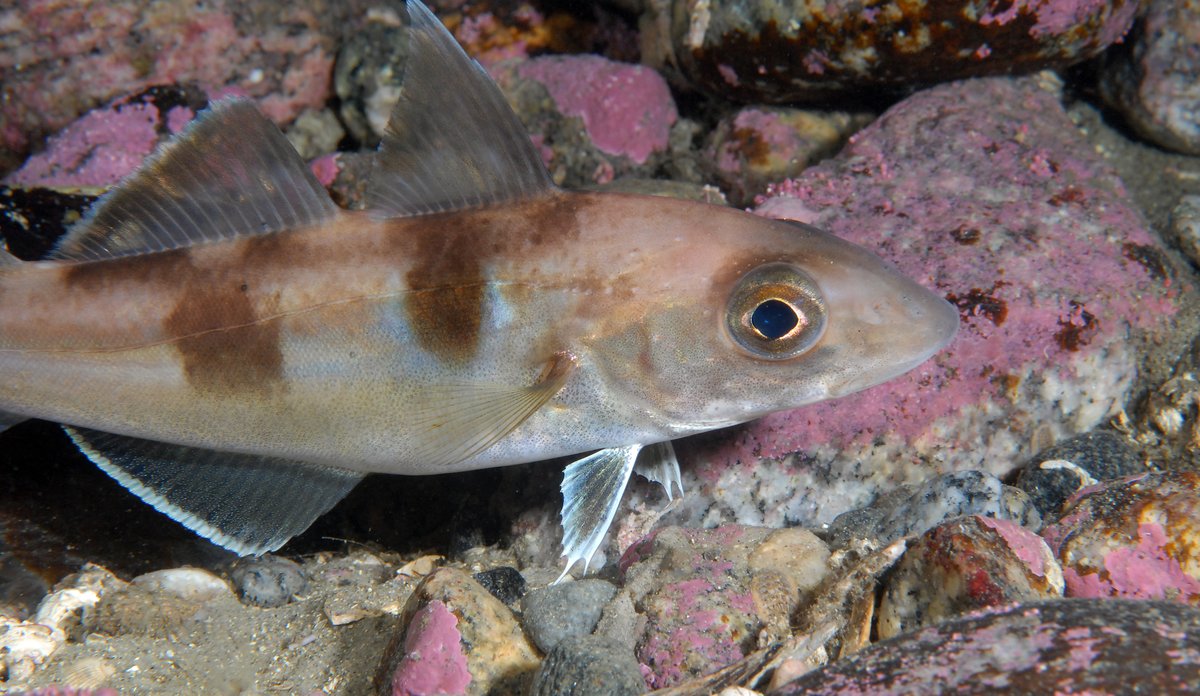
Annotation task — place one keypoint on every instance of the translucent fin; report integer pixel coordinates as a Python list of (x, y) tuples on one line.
[(229, 173), (246, 503), (592, 488), (459, 421), (658, 463), (452, 141)]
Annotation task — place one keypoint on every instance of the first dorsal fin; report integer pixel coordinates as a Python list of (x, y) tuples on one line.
[(230, 173), (452, 141)]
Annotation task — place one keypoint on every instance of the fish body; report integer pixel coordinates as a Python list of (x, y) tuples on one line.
[(238, 351)]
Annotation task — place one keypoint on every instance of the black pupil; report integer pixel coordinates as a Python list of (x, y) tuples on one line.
[(774, 319)]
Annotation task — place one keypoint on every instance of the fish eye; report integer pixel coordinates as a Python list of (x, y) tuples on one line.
[(775, 312)]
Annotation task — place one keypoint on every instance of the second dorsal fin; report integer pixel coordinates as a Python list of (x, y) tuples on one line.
[(230, 173), (452, 141)]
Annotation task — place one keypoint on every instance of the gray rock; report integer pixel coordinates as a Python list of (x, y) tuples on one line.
[(1155, 83), (369, 72), (1055, 473), (505, 584), (589, 666), (914, 510), (561, 611), (268, 581)]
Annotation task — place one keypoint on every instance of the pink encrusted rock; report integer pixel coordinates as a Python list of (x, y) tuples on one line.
[(806, 49), (707, 595), (604, 119), (985, 191), (1137, 537), (66, 58), (1064, 646), (963, 565), (459, 640), (434, 659)]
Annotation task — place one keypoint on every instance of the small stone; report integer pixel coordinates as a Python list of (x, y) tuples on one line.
[(1052, 646), (315, 133), (500, 659), (268, 581), (368, 73), (434, 659), (1185, 227), (505, 584), (565, 610), (1137, 537), (914, 510), (1054, 474), (963, 565), (588, 666), (192, 584), (760, 145)]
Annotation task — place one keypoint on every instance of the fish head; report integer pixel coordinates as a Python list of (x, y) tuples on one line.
[(736, 316)]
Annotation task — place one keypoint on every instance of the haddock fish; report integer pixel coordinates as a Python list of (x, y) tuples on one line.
[(231, 346)]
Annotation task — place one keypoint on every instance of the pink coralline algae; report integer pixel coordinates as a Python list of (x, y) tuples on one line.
[(985, 191), (627, 110), (1135, 538), (65, 58), (434, 662), (97, 150)]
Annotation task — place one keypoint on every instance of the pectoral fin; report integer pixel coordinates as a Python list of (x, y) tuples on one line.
[(659, 464), (248, 504), (458, 421), (592, 488)]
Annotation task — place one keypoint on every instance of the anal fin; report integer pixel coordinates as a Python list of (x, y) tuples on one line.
[(249, 504), (592, 488), (659, 464)]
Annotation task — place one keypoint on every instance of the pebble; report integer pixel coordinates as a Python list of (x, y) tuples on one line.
[(268, 581), (1051, 646), (368, 73), (1054, 474), (585, 665), (916, 509), (1137, 537), (451, 615), (566, 610), (191, 584), (1185, 227), (963, 565), (1155, 83), (504, 583)]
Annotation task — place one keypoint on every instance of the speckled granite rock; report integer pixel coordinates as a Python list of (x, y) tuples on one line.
[(986, 191), (707, 595), (1054, 474), (62, 59), (1155, 84), (915, 509), (963, 565), (805, 49), (458, 639), (1137, 537), (1056, 646)]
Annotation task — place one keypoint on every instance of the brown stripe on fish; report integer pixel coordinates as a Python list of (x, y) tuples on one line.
[(213, 322), (450, 258)]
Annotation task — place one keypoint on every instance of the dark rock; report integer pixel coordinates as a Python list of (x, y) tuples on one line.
[(505, 584), (268, 581), (916, 509), (565, 610), (1060, 646), (588, 666), (809, 49), (1054, 474)]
